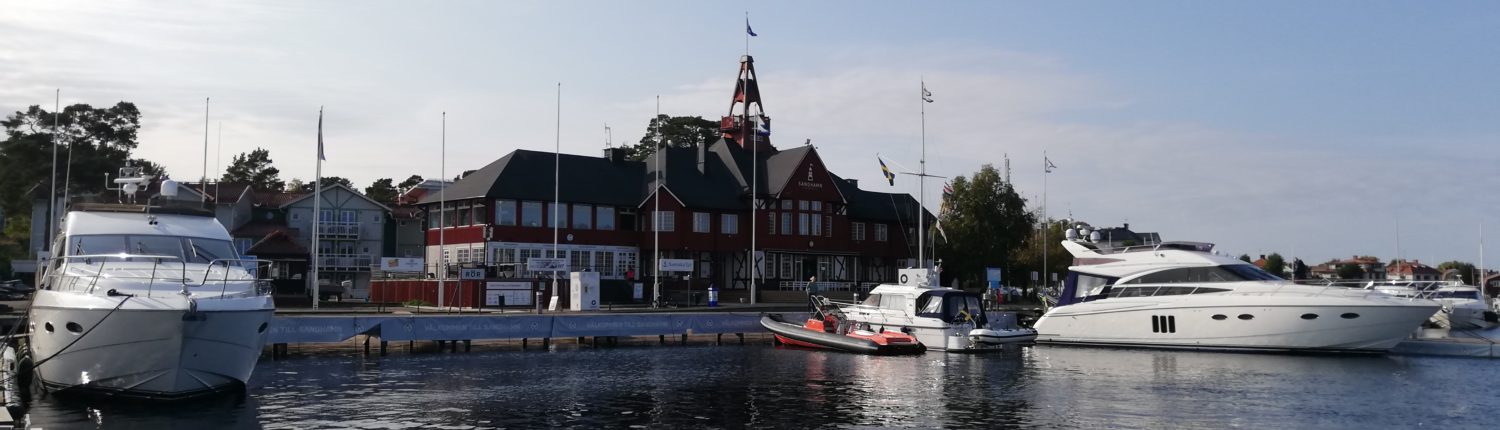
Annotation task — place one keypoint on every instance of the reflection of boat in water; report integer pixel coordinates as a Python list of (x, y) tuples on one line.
[(941, 318), (828, 328), (1181, 295), (1463, 305), (146, 301)]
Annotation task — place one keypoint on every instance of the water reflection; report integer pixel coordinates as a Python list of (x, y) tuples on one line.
[(764, 386)]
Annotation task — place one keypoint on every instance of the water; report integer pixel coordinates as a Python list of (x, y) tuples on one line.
[(768, 387)]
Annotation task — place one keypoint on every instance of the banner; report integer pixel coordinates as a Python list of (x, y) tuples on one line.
[(539, 264), (675, 265), (393, 264)]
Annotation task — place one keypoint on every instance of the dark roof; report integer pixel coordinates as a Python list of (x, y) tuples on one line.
[(275, 199), (277, 243), (527, 175), (259, 229), (405, 212), (717, 187), (876, 206)]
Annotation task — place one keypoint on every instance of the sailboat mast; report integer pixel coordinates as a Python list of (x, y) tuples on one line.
[(52, 205), (922, 185)]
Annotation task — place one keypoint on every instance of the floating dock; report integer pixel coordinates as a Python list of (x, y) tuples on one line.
[(1461, 343)]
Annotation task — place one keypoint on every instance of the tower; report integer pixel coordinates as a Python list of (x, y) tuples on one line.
[(747, 121)]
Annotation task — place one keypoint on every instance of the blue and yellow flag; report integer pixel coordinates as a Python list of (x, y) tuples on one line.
[(889, 177)]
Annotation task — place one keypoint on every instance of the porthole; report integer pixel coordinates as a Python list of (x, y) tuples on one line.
[(1220, 317), (48, 327), (262, 328), (1309, 316), (73, 327), (1247, 317), (1349, 315)]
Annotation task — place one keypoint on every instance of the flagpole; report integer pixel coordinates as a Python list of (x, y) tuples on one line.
[(656, 213), (922, 186), (203, 184), (442, 211), (317, 210), (556, 184), (1046, 171)]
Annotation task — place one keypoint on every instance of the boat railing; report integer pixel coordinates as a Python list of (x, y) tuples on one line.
[(69, 277)]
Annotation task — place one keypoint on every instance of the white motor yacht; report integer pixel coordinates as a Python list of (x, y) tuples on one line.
[(145, 301), (1182, 295), (1464, 306), (941, 318)]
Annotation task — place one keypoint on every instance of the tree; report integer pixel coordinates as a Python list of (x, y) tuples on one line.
[(410, 182), (1300, 270), (1350, 271), (99, 140), (328, 181), (294, 186), (1276, 264), (677, 131), (1466, 271), (465, 174), (383, 190), (254, 168), (1245, 258), (988, 221)]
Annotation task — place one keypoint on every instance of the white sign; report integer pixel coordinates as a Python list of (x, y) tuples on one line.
[(538, 264), (638, 291), (392, 264), (675, 265), (514, 293), (471, 274)]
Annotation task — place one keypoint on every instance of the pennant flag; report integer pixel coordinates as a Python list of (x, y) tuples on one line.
[(762, 125), (926, 95), (938, 224), (1050, 166), (947, 189), (889, 177), (747, 28), (320, 136)]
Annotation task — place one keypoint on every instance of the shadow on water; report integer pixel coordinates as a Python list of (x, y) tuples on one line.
[(768, 387)]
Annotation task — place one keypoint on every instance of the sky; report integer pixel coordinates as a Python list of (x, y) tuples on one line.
[(1314, 129)]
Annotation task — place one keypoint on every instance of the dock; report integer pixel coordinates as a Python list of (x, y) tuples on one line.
[(1462, 343)]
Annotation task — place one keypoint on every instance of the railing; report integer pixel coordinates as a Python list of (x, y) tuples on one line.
[(816, 286), (167, 270), (345, 261), (339, 229)]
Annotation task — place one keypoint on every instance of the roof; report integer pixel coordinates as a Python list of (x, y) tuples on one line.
[(405, 212), (876, 206), (277, 243), (333, 187), (528, 175), (275, 199)]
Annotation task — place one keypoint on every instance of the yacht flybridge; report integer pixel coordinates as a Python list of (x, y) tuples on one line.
[(1182, 295), (146, 301)]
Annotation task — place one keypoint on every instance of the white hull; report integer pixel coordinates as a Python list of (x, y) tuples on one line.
[(933, 333), (1462, 316), (1275, 323), (149, 347)]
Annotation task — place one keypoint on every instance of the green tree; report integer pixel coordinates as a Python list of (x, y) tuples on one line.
[(678, 131), (1300, 270), (1276, 264), (410, 182), (328, 181), (1350, 271), (294, 186), (383, 190), (97, 139), (254, 168), (987, 225), (1245, 258), (1466, 271)]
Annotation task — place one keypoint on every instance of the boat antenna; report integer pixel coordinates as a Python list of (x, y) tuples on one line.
[(203, 184), (219, 159), (52, 204)]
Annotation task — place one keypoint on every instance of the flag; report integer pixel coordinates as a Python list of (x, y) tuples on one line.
[(947, 189), (1049, 165), (926, 95), (320, 136), (747, 28), (938, 224), (762, 125), (889, 177)]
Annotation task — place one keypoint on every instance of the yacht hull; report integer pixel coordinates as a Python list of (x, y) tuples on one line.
[(143, 352), (1280, 325)]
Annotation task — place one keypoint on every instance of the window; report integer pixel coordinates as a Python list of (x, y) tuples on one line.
[(786, 267), (1227, 273), (803, 204), (666, 221), (880, 233), (531, 214), (505, 212), (1090, 285), (701, 223), (463, 256), (786, 205), (465, 216), (478, 217), (771, 228), (557, 215), (583, 217), (432, 218), (817, 206), (802, 224), (786, 223), (828, 226), (606, 218), (817, 225), (857, 230), (579, 261), (729, 224)]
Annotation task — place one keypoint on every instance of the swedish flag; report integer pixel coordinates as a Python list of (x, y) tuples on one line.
[(889, 177)]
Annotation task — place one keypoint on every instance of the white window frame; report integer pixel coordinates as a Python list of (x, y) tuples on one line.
[(857, 230), (729, 223), (882, 233), (665, 221), (702, 222)]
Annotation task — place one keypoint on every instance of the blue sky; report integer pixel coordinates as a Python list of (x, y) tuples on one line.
[(1313, 128)]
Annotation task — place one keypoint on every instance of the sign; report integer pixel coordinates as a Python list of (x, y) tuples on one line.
[(471, 274), (539, 264), (393, 264), (638, 291), (992, 274), (514, 293), (675, 265)]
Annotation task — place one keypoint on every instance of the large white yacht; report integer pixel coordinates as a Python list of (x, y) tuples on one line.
[(1464, 306), (146, 301), (1182, 295), (941, 318)]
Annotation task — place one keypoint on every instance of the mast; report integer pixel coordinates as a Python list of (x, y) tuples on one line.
[(556, 184), (922, 186), (656, 213), (203, 183), (1045, 227), (52, 204), (442, 210), (317, 202)]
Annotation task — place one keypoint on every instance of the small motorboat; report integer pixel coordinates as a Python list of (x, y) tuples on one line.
[(996, 337), (828, 329)]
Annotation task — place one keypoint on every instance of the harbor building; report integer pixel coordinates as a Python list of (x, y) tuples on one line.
[(808, 223)]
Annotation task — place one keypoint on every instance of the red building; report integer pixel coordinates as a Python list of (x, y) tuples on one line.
[(808, 222)]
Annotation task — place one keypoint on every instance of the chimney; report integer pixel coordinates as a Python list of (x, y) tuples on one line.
[(614, 155), (1263, 256), (1126, 226), (702, 159), (852, 181)]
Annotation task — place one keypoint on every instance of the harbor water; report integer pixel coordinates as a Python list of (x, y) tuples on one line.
[(761, 386)]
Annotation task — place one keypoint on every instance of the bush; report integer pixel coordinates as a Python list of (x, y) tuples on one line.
[(415, 302)]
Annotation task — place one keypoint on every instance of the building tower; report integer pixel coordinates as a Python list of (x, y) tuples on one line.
[(750, 124)]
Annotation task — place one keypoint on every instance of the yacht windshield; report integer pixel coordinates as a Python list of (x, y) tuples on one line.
[(1226, 273), (187, 249), (1471, 295)]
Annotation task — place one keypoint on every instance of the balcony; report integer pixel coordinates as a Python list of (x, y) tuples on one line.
[(338, 230), (345, 262)]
